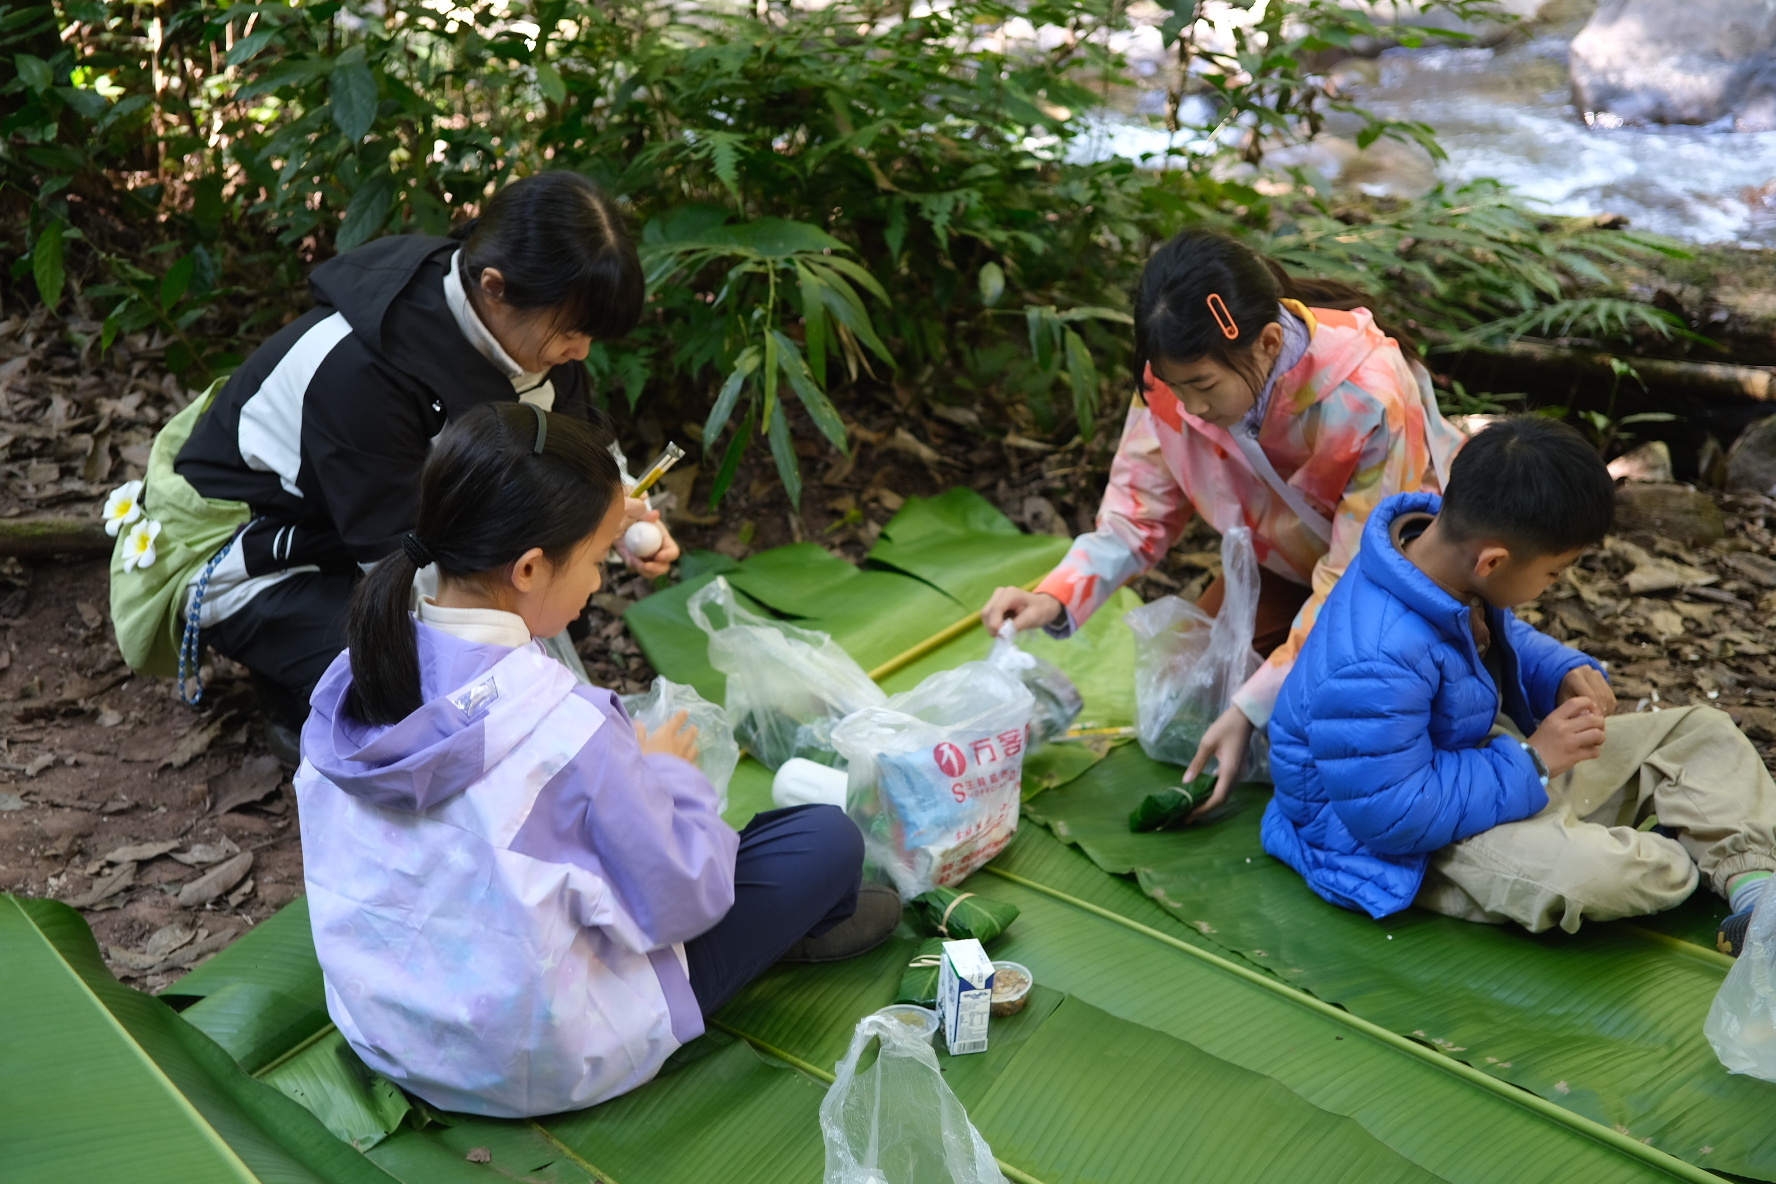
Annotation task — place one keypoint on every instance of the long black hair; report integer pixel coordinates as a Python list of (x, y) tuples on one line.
[(486, 496), (561, 245), (1175, 319)]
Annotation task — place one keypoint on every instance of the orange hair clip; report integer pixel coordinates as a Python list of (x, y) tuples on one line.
[(1223, 318)]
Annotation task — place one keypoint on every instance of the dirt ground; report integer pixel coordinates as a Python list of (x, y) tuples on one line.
[(173, 829)]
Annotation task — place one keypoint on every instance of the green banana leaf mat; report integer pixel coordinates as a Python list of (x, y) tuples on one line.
[(1198, 1014)]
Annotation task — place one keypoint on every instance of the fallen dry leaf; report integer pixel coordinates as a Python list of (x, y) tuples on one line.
[(216, 881), (105, 887), (195, 743), (246, 784), (141, 852), (204, 854)]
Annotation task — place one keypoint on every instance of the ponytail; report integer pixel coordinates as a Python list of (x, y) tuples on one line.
[(1173, 314), (384, 646), (501, 480)]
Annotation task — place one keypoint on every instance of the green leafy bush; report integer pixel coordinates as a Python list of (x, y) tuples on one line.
[(832, 196)]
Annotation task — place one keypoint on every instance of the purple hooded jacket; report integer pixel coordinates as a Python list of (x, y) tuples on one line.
[(501, 884)]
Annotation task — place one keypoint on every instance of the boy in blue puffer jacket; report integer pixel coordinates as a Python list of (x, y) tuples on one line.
[(1431, 748)]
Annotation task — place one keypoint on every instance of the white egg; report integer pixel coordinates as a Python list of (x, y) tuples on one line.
[(643, 539)]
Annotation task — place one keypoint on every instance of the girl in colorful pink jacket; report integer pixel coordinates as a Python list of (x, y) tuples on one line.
[(1267, 401)]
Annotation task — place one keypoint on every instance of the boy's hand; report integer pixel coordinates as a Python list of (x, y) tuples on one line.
[(677, 738), (1588, 682), (1571, 735), (1025, 610), (1226, 741)]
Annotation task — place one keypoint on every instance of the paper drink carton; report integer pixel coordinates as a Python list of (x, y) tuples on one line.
[(965, 995)]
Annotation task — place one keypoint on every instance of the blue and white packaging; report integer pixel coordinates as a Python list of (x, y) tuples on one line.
[(965, 996)]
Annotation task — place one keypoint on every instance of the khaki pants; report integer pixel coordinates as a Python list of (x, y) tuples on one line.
[(1583, 856)]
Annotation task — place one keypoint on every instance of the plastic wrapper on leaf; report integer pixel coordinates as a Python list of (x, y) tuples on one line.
[(787, 687), (717, 750), (1741, 1022), (918, 984), (1188, 664), (956, 915), (936, 774), (1058, 701), (897, 1122), (1170, 807)]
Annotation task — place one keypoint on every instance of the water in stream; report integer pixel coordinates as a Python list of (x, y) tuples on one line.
[(1507, 113)]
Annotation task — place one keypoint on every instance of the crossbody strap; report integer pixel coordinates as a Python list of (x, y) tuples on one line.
[(1310, 517)]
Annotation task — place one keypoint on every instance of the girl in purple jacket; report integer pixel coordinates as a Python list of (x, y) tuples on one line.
[(523, 902)]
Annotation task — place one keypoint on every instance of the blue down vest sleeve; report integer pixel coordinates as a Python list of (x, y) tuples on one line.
[(1543, 663), (1370, 736), (1381, 742)]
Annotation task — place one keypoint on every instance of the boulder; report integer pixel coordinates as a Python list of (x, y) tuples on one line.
[(1677, 512), (1751, 462), (1662, 61)]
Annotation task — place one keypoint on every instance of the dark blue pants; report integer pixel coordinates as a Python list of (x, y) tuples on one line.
[(797, 875)]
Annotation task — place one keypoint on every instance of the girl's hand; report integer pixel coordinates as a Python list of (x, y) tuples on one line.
[(1025, 610), (1226, 741), (661, 561), (677, 738)]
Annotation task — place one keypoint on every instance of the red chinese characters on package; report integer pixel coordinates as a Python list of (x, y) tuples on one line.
[(936, 774)]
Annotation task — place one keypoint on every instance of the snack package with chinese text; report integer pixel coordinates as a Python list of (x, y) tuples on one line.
[(936, 774)]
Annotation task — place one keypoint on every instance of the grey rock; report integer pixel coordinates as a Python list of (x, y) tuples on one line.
[(1661, 61), (1751, 462)]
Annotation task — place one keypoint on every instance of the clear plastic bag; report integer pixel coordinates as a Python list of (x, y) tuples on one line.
[(1058, 701), (936, 774), (1741, 1022), (787, 687), (717, 750), (1188, 664), (897, 1122)]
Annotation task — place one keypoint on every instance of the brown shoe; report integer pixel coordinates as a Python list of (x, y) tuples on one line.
[(877, 915)]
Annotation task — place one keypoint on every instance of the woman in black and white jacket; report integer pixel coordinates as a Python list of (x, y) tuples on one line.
[(323, 431)]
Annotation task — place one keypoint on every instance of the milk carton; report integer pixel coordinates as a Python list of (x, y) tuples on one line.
[(965, 995)]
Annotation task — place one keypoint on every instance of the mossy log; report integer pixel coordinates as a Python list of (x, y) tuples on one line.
[(37, 537)]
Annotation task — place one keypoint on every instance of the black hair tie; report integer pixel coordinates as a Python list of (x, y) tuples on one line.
[(542, 428), (416, 550)]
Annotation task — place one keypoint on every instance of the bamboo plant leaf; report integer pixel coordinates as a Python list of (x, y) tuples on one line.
[(820, 408), (789, 469), (744, 365)]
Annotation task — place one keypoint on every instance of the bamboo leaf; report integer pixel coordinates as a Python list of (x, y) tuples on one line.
[(744, 365), (814, 320), (46, 264), (820, 408), (1082, 374), (724, 476), (789, 469), (769, 411)]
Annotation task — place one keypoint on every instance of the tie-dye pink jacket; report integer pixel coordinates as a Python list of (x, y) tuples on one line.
[(1353, 423)]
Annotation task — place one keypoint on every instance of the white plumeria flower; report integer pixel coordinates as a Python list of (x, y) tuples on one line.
[(123, 507), (138, 544)]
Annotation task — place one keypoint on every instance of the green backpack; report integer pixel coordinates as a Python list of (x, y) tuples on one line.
[(148, 601)]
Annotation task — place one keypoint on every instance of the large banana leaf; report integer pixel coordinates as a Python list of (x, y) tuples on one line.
[(1153, 1048), (101, 1083), (1607, 1022)]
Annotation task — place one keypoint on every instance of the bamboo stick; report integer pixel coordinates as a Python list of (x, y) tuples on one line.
[(936, 641)]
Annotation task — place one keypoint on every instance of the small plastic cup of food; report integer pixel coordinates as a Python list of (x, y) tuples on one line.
[(1011, 987), (921, 1019)]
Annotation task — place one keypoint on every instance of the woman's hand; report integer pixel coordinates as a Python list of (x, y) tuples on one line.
[(1226, 741), (1586, 682), (677, 738), (635, 510), (1025, 610)]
